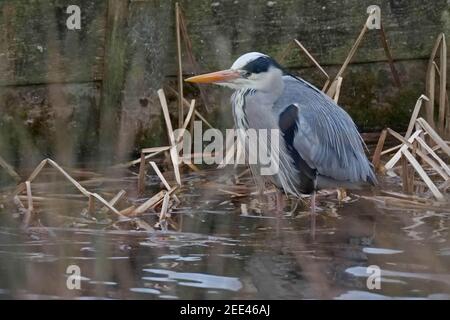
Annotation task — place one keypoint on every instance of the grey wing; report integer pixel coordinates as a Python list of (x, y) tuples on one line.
[(327, 138)]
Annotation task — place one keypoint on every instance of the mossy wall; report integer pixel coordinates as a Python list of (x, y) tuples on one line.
[(89, 94)]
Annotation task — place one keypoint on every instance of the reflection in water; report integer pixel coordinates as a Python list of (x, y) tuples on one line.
[(221, 253), (197, 280), (381, 251), (362, 272), (363, 295)]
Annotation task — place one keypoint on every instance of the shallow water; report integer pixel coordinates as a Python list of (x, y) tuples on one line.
[(219, 253)]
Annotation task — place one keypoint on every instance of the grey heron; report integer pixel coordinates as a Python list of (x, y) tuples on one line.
[(321, 146)]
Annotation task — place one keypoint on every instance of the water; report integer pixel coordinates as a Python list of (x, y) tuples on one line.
[(218, 253)]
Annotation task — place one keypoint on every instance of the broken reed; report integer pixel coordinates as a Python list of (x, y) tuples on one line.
[(413, 146), (443, 120)]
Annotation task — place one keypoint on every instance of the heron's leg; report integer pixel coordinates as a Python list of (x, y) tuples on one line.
[(279, 202), (279, 210), (313, 215)]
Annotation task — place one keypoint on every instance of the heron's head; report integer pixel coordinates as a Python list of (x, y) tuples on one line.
[(253, 70)]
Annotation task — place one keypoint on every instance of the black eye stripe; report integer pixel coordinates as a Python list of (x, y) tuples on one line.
[(257, 66), (262, 64)]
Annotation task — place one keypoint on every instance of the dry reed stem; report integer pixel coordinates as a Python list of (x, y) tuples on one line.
[(180, 66), (387, 51), (141, 176), (313, 60), (20, 207), (165, 109), (356, 45), (106, 204), (22, 187), (434, 135), (176, 162), (281, 58), (443, 85), (152, 202), (354, 48), (289, 48), (160, 175), (190, 54), (396, 158), (430, 151), (68, 177), (409, 144), (405, 176), (243, 173), (338, 89), (188, 117), (230, 151), (75, 183), (113, 201), (30, 209), (431, 81), (244, 209), (128, 211), (164, 207), (447, 112), (173, 150), (91, 205), (414, 116), (437, 194), (9, 169), (335, 89), (186, 122), (325, 86), (148, 156), (380, 145), (411, 176), (390, 150)]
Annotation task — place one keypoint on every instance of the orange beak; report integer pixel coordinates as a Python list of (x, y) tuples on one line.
[(215, 77)]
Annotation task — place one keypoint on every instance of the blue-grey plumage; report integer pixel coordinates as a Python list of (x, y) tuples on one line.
[(326, 138), (320, 145)]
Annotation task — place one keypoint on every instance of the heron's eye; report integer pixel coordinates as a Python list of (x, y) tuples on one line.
[(246, 74)]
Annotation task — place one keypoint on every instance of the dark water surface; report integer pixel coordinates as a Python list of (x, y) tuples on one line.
[(220, 253)]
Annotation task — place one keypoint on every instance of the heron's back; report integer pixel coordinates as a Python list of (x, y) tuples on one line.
[(326, 138)]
